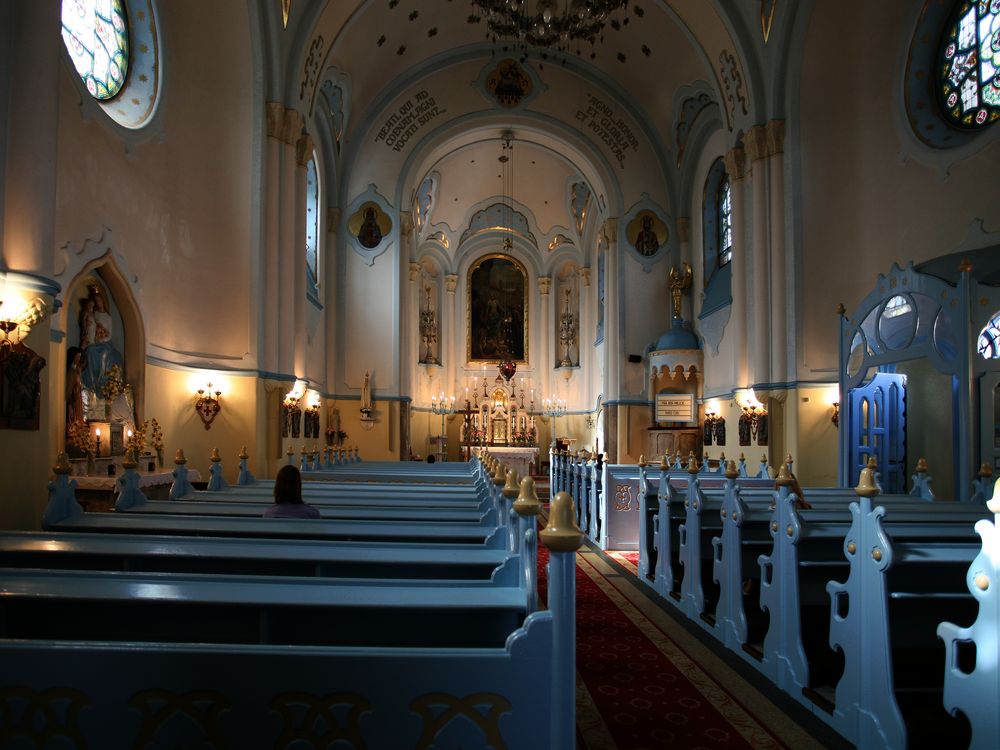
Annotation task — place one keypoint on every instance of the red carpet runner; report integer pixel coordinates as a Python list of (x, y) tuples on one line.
[(637, 687)]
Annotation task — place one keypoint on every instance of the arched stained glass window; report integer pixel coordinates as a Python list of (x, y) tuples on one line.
[(312, 225), (95, 33), (989, 339), (725, 209), (969, 64)]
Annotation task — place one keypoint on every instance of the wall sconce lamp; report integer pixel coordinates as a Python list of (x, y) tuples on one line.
[(836, 413), (590, 421), (715, 426), (208, 406), (753, 422), (17, 324)]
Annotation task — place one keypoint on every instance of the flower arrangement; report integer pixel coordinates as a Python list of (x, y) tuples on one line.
[(155, 438), (114, 385), (335, 437), (79, 436)]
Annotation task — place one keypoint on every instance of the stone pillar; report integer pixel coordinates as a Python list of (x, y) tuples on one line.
[(30, 59), (448, 331), (612, 312), (760, 272), (584, 328), (544, 356), (275, 113), (290, 133), (736, 169), (330, 309), (684, 238), (411, 331), (780, 314), (303, 152)]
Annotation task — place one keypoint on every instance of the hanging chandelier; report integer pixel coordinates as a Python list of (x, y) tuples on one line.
[(547, 24)]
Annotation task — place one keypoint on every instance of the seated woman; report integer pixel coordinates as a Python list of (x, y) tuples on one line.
[(288, 496)]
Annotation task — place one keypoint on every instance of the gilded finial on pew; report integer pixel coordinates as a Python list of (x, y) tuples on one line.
[(731, 471), (510, 487), (692, 464), (215, 457), (290, 451), (872, 463), (784, 479), (722, 458), (866, 483), (243, 454), (965, 266), (527, 503), (985, 470), (840, 308), (642, 460), (742, 457), (179, 457), (922, 465), (789, 461), (664, 464), (499, 476), (562, 533), (62, 464)]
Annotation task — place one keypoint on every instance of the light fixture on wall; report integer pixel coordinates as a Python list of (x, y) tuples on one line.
[(207, 405), (15, 324), (715, 425), (753, 422), (835, 417), (546, 25)]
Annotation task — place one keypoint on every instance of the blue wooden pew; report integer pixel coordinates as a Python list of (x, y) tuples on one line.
[(390, 695), (974, 690)]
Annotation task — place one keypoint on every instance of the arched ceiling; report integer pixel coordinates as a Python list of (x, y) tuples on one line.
[(393, 52)]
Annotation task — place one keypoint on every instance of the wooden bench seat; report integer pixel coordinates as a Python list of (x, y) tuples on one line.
[(227, 555), (286, 528), (178, 607)]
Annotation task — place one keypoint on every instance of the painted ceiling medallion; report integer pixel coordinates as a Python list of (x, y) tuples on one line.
[(647, 233), (508, 83)]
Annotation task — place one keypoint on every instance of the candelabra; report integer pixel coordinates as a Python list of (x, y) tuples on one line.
[(715, 427), (428, 330), (555, 408), (567, 332), (442, 405)]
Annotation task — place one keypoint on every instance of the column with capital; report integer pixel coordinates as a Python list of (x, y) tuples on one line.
[(448, 331), (612, 336), (545, 356), (683, 225), (291, 131), (303, 153), (780, 315), (275, 112), (410, 336), (760, 271), (736, 169), (585, 327)]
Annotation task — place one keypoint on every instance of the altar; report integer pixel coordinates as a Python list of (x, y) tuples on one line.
[(516, 457)]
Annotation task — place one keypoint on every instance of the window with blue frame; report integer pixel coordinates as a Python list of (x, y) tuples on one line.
[(724, 202), (312, 228), (968, 72), (717, 236), (95, 33)]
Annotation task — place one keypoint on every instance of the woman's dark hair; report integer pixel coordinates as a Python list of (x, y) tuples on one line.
[(288, 485)]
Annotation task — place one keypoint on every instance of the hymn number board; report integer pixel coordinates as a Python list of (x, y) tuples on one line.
[(675, 407)]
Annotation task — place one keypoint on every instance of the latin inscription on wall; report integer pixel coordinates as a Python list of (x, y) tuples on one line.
[(603, 121), (404, 123)]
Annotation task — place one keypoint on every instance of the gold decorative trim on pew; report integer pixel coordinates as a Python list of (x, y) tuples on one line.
[(527, 503)]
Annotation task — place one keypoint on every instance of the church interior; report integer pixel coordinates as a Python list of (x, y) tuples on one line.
[(588, 231)]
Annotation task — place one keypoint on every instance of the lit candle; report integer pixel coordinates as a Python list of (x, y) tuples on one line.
[(98, 433), (130, 434)]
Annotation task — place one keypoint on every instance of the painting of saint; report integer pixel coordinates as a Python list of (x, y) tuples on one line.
[(369, 225), (497, 310), (647, 233)]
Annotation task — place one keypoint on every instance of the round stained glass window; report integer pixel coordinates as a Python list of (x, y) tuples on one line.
[(95, 33), (969, 64)]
